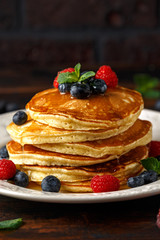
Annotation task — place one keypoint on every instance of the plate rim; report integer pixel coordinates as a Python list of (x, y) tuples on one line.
[(121, 195)]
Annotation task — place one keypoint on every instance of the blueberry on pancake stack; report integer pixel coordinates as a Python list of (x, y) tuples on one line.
[(85, 126)]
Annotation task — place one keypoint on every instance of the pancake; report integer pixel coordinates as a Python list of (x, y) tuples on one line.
[(137, 135), (33, 132), (77, 179), (76, 139), (115, 108), (36, 156)]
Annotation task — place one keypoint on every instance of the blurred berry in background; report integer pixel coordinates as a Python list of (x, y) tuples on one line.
[(157, 105), (8, 106)]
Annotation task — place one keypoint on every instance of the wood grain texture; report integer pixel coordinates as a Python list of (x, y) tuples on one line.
[(120, 220)]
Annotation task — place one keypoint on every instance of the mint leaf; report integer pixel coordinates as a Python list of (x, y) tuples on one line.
[(71, 77), (151, 164), (11, 224), (77, 69), (86, 75), (67, 77)]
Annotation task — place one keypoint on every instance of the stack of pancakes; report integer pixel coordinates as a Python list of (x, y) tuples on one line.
[(76, 139)]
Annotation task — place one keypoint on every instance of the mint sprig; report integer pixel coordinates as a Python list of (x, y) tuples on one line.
[(67, 77), (71, 77), (11, 224), (151, 163)]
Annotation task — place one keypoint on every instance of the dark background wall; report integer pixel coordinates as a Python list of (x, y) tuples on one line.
[(40, 37)]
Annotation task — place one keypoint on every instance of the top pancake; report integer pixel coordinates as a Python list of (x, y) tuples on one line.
[(115, 108)]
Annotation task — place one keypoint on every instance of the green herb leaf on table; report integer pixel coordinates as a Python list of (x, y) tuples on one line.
[(151, 163), (11, 224)]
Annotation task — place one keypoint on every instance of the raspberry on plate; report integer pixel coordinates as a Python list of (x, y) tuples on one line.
[(154, 148), (55, 82), (7, 169), (104, 183), (108, 75)]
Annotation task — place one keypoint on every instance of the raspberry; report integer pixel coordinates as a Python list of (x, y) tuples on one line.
[(104, 183), (55, 82), (7, 169), (105, 73), (154, 149)]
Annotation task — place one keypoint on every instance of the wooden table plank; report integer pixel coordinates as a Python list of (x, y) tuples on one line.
[(134, 219)]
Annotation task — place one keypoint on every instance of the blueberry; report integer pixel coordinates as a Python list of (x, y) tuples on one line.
[(80, 90), (21, 179), (149, 176), (20, 118), (135, 181), (12, 179), (64, 87), (4, 152), (157, 105), (98, 86), (51, 184), (11, 106)]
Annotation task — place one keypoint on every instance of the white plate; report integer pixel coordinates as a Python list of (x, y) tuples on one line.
[(8, 189)]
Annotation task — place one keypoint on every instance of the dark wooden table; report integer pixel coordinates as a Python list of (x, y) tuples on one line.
[(128, 220)]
